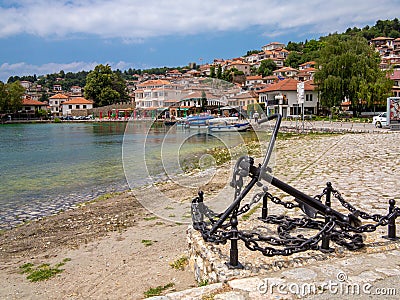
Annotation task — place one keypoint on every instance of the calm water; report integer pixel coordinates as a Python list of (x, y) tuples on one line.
[(48, 167)]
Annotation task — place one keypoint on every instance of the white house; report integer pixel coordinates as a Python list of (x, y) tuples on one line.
[(55, 103), (273, 46), (286, 72), (282, 97), (76, 106)]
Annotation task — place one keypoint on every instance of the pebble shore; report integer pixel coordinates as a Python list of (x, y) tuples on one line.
[(14, 214)]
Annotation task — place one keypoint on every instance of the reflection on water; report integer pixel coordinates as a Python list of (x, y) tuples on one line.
[(45, 163)]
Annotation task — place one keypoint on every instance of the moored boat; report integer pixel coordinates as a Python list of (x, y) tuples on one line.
[(238, 127), (198, 122)]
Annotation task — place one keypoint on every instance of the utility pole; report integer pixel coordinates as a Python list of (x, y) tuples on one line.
[(300, 100)]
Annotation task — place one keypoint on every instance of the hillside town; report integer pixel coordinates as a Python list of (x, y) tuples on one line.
[(178, 94)]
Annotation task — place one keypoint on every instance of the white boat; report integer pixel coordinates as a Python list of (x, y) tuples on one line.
[(236, 127), (198, 122)]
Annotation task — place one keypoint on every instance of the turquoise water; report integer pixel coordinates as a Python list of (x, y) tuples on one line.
[(48, 167)]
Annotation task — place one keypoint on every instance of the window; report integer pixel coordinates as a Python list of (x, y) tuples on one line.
[(77, 106), (56, 102), (70, 106), (84, 106), (309, 97)]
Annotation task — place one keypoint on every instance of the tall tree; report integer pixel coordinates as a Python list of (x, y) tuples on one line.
[(267, 66), (105, 87), (219, 72), (349, 69), (11, 96), (212, 72)]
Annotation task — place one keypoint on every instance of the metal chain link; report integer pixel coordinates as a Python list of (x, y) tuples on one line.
[(353, 210), (335, 230)]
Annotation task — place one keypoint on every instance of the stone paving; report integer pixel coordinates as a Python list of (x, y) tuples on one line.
[(365, 168)]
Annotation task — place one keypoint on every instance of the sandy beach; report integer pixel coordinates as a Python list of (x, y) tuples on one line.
[(104, 243)]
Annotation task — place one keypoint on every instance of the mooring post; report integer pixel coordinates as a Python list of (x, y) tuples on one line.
[(328, 194), (392, 222), (264, 211), (234, 253), (325, 236)]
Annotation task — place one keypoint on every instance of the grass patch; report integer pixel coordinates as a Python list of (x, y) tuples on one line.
[(204, 282), (107, 196), (180, 263), (150, 218), (148, 242), (100, 198), (157, 290), (43, 271)]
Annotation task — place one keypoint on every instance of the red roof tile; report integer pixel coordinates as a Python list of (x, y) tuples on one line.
[(78, 100), (32, 102), (289, 84), (59, 96)]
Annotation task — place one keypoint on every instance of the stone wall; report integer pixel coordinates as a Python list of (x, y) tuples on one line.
[(209, 261)]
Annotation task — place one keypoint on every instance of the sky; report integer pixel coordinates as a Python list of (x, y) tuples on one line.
[(47, 36)]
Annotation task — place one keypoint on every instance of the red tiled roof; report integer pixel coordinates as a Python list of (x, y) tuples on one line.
[(154, 82), (382, 38), (308, 63), (78, 100), (259, 77), (32, 102), (286, 69), (289, 84), (59, 96)]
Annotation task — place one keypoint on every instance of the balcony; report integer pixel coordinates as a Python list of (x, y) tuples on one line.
[(276, 102)]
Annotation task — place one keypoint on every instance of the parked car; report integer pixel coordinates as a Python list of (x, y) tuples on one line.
[(380, 120)]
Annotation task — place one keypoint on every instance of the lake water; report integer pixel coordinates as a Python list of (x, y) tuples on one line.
[(45, 168)]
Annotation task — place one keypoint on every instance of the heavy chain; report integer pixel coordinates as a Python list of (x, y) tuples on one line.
[(276, 200), (256, 198), (283, 243), (292, 244), (354, 211)]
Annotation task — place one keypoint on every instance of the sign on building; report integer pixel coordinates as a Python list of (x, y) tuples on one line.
[(393, 112)]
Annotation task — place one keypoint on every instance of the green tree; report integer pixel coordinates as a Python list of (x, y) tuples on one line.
[(294, 59), (105, 87), (212, 72), (267, 66), (292, 46), (349, 69), (219, 72), (11, 96)]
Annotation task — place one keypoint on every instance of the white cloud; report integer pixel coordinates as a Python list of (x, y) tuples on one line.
[(135, 20), (22, 68)]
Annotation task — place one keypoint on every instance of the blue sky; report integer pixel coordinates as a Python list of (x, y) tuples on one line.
[(46, 36)]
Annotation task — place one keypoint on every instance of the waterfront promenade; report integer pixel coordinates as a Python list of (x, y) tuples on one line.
[(365, 168), (115, 264)]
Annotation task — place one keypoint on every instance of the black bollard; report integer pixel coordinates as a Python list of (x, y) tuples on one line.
[(392, 222), (328, 194), (264, 211), (325, 237), (234, 253)]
